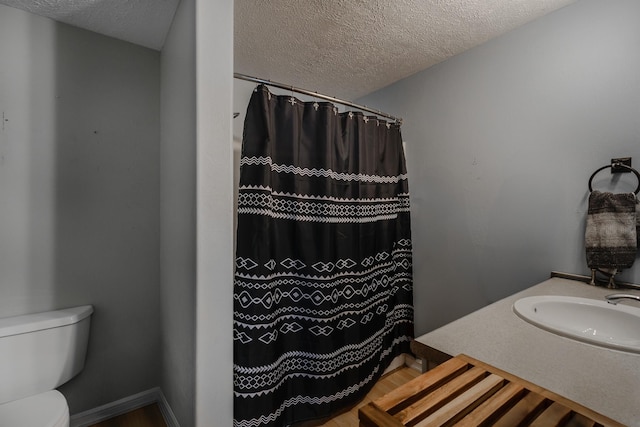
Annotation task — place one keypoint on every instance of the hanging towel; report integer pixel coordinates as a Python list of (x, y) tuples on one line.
[(638, 221), (610, 237)]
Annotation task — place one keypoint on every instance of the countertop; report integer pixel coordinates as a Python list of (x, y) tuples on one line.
[(604, 380)]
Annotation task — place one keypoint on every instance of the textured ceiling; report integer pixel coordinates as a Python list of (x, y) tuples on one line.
[(343, 48), (349, 48), (143, 22)]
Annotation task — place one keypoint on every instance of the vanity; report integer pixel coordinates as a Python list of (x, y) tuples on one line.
[(602, 379)]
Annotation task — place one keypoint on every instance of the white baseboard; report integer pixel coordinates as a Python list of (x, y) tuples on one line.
[(124, 405), (397, 362), (404, 359), (413, 363), (166, 411)]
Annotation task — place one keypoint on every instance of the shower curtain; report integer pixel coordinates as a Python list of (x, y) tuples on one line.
[(323, 297)]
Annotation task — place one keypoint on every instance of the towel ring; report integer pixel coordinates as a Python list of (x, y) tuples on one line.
[(618, 165)]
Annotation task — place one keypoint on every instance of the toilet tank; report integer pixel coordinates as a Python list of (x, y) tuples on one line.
[(39, 352)]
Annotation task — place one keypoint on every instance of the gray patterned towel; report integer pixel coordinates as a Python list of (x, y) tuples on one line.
[(638, 220), (610, 237)]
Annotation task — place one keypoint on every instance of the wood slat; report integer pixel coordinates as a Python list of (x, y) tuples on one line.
[(492, 409), (523, 412), (469, 393), (463, 404), (554, 416), (371, 416), (598, 418), (433, 401), (421, 385), (579, 420)]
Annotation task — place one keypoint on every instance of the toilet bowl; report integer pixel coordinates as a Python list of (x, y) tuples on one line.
[(39, 352), (48, 409)]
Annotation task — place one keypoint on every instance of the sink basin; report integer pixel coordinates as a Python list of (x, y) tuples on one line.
[(587, 320)]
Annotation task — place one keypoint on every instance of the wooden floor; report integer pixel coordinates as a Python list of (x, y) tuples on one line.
[(150, 416), (392, 380)]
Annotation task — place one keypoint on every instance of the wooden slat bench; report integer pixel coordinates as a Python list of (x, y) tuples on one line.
[(466, 392)]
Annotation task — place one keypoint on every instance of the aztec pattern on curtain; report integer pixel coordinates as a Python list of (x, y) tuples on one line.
[(323, 296)]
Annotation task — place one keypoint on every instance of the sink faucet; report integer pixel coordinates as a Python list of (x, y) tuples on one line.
[(615, 298)]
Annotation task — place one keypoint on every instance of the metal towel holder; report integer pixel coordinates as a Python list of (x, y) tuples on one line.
[(618, 166)]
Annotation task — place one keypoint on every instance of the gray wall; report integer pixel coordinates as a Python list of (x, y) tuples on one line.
[(501, 141), (178, 213), (214, 326), (79, 184), (197, 214)]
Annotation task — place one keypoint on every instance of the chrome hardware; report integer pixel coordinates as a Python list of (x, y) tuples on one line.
[(615, 298)]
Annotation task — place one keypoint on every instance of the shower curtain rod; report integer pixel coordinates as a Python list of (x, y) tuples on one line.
[(316, 95)]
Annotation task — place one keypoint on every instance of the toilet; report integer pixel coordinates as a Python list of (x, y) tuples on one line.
[(39, 352)]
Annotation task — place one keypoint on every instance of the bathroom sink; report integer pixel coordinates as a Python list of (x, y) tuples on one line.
[(587, 320)]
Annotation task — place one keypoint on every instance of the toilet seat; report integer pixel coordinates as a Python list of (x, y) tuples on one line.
[(47, 409)]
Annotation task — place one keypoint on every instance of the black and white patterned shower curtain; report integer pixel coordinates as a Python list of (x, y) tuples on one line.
[(323, 284)]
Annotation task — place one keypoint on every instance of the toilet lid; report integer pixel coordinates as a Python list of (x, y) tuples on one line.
[(47, 409)]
